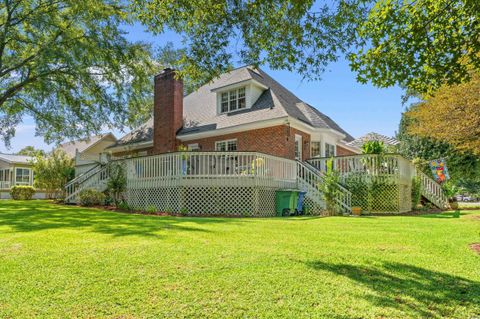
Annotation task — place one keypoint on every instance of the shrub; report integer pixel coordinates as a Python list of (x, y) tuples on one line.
[(123, 205), (91, 197), (117, 182), (22, 192), (329, 188), (151, 209), (359, 189), (416, 191)]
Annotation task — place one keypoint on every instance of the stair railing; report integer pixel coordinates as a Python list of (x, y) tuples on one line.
[(312, 178)]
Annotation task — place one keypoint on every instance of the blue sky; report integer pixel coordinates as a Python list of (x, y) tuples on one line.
[(356, 107)]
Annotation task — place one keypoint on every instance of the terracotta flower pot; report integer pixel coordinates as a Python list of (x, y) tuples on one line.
[(357, 211)]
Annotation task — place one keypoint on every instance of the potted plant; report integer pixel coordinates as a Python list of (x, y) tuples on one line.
[(450, 191), (182, 148)]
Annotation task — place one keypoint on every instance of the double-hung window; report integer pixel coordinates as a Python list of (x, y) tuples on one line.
[(315, 149), (233, 100), (329, 150), (226, 146), (22, 176)]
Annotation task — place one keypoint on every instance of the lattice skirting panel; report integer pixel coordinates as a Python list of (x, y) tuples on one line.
[(312, 206), (380, 195), (205, 200)]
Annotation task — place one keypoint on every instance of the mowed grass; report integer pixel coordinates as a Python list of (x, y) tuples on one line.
[(69, 262)]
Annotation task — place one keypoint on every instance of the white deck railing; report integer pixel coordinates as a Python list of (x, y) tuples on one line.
[(372, 165), (194, 169), (234, 168)]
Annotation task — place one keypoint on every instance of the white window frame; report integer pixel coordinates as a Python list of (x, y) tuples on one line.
[(327, 149), (217, 143), (29, 170), (232, 104), (319, 149), (299, 150), (193, 147)]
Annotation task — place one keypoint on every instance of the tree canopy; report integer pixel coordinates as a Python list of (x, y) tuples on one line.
[(418, 44), (298, 36), (31, 151), (451, 115), (464, 167), (52, 172), (69, 66)]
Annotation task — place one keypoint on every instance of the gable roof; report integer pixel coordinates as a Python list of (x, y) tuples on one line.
[(16, 159), (200, 108), (83, 144), (372, 136)]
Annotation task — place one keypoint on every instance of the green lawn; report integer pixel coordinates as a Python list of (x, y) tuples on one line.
[(63, 262)]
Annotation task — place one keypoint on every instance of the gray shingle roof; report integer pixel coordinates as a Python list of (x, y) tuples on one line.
[(200, 108), (19, 159), (372, 136), (80, 145)]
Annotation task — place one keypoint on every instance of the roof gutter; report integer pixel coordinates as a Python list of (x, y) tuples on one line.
[(296, 123), (130, 147), (233, 129)]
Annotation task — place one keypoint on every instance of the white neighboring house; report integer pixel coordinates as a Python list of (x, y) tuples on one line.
[(87, 153), (16, 170)]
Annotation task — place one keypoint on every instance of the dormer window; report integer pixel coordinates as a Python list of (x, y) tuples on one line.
[(233, 100)]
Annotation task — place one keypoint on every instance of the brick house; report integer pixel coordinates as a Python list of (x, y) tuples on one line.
[(242, 110), (249, 137)]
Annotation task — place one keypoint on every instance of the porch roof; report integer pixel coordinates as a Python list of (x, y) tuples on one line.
[(16, 159)]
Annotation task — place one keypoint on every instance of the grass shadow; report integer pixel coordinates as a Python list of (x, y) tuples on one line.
[(28, 216), (417, 292), (449, 214)]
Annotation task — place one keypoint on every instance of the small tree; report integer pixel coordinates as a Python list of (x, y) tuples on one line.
[(329, 188), (117, 182), (373, 147), (31, 151), (52, 172)]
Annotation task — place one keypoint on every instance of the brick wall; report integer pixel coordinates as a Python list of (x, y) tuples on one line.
[(276, 140), (344, 152)]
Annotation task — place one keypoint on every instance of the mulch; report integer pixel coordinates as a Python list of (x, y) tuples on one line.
[(475, 247)]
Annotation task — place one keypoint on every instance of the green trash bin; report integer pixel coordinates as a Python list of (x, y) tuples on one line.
[(286, 201)]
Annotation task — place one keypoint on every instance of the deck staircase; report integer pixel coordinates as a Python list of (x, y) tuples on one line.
[(308, 178), (95, 178), (432, 191), (392, 168)]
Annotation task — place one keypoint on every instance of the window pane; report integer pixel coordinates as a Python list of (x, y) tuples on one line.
[(220, 146), (232, 145), (22, 176), (329, 150), (233, 100), (315, 150), (241, 98), (224, 104)]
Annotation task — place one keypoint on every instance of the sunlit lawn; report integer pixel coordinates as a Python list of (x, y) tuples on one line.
[(63, 262)]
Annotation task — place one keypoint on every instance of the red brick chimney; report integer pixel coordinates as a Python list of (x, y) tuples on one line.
[(167, 111)]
